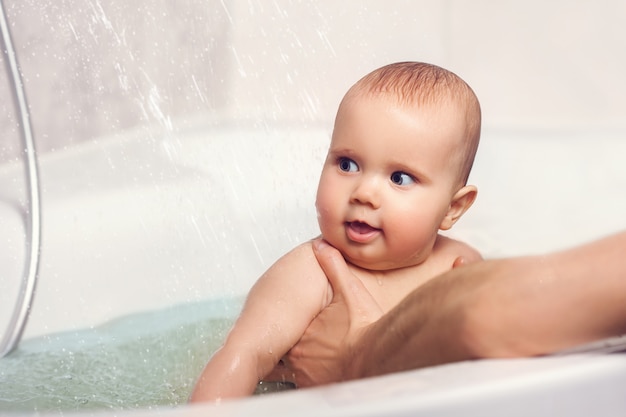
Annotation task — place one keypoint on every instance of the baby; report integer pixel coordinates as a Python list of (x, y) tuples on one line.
[(396, 174)]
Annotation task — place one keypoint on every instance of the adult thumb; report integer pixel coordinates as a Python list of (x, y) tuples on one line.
[(347, 287)]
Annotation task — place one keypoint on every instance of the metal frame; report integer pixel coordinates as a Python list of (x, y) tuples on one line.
[(17, 323)]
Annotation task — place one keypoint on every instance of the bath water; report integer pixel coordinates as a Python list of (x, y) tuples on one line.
[(138, 361)]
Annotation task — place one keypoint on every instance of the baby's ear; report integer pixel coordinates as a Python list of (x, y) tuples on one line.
[(461, 202)]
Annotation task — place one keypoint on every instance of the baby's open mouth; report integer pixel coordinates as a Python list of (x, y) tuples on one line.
[(361, 227), (360, 231)]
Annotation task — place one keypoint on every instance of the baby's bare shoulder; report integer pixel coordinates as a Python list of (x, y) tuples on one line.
[(453, 248), (300, 265), (300, 261)]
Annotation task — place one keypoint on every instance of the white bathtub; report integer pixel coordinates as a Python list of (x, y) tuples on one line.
[(137, 223)]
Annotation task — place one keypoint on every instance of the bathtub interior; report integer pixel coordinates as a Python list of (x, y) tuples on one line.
[(138, 223), (164, 222)]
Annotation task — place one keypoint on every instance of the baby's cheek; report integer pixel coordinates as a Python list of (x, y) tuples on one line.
[(322, 216), (410, 236), (325, 203), (329, 224)]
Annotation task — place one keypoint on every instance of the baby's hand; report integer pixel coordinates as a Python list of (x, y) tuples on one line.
[(468, 257), (459, 261)]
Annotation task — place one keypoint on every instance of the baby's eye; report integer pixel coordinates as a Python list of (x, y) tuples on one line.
[(347, 165), (402, 178)]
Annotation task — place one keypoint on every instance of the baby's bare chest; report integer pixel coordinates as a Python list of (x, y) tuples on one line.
[(389, 287)]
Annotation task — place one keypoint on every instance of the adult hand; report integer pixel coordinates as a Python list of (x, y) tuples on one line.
[(498, 308), (323, 354), (328, 350)]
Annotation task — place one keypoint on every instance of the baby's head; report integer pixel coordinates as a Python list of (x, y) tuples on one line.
[(402, 148), (419, 87)]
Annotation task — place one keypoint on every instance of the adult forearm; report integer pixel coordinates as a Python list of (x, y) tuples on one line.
[(503, 308), (585, 299), (540, 305)]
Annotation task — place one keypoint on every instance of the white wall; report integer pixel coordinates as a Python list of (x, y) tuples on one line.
[(92, 68), (532, 63)]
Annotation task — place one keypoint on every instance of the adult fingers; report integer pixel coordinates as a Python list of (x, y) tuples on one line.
[(347, 287)]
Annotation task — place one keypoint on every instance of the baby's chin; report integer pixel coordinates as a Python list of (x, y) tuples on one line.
[(371, 264)]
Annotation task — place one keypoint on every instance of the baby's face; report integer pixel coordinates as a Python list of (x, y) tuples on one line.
[(388, 180)]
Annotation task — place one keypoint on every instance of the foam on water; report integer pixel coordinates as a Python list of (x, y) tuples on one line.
[(138, 361)]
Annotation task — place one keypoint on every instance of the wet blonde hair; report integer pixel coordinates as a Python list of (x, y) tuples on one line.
[(421, 84)]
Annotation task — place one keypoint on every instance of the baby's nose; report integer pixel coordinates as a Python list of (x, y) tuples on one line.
[(367, 191)]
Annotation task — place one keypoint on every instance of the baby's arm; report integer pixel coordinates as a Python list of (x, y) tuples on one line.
[(278, 309)]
